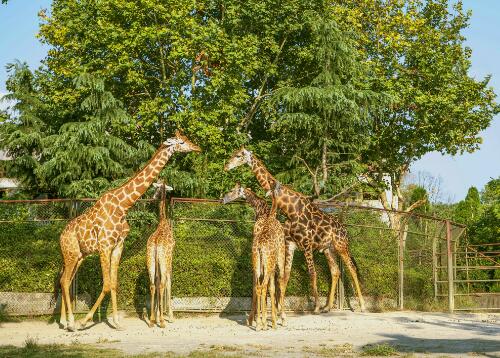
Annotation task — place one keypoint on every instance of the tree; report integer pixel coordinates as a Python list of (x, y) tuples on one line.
[(486, 226), (417, 50), (21, 132), (202, 66), (469, 210), (325, 125), (78, 158)]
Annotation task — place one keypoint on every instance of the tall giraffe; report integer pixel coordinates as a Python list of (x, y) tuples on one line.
[(103, 228), (268, 252), (265, 220), (159, 251), (307, 228)]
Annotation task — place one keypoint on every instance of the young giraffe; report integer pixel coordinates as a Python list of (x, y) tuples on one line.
[(268, 253), (159, 251), (307, 228), (103, 228)]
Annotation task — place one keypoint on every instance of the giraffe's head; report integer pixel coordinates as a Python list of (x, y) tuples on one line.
[(240, 157), (160, 186), (235, 193), (180, 143)]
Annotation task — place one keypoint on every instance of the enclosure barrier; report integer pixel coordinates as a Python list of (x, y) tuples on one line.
[(405, 260)]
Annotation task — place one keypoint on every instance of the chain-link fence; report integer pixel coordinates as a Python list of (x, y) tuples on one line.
[(400, 257)]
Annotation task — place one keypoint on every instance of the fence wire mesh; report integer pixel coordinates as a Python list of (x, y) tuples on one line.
[(400, 257)]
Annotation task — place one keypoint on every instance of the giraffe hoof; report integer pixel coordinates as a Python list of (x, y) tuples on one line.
[(82, 324), (71, 328), (163, 325), (316, 311), (119, 327), (170, 319), (326, 309), (151, 324)]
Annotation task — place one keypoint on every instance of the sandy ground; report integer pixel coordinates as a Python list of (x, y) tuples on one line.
[(424, 334)]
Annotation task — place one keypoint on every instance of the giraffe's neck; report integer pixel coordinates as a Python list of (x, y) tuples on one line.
[(258, 204), (264, 178), (287, 199), (163, 214), (137, 185)]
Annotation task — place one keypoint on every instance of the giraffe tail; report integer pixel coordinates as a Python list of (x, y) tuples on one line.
[(57, 287), (261, 264)]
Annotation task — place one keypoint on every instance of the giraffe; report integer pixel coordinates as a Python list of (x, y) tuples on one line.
[(159, 251), (268, 253), (307, 228), (103, 228)]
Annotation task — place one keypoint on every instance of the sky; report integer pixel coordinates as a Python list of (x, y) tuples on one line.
[(456, 174)]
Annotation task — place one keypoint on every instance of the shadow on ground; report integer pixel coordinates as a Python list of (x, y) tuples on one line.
[(437, 345)]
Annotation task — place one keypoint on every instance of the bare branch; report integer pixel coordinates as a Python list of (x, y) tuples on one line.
[(345, 190), (416, 204)]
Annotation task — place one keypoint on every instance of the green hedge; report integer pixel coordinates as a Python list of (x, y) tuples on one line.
[(211, 258)]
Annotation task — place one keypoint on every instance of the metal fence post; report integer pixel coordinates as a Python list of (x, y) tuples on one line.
[(449, 261), (401, 267), (434, 267)]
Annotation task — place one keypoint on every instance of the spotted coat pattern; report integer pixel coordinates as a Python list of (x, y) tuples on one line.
[(103, 228), (268, 254), (159, 250), (307, 228)]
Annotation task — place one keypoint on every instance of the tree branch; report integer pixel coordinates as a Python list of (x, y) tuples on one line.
[(247, 119), (416, 204)]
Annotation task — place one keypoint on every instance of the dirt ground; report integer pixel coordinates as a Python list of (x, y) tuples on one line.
[(423, 334)]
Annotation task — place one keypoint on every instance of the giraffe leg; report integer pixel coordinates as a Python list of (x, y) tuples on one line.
[(62, 319), (170, 314), (346, 257), (116, 255), (163, 278), (335, 273), (151, 264), (258, 319), (105, 264), (80, 260), (251, 316), (264, 286), (290, 247), (312, 273), (69, 265), (281, 284), (272, 299), (255, 297)]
